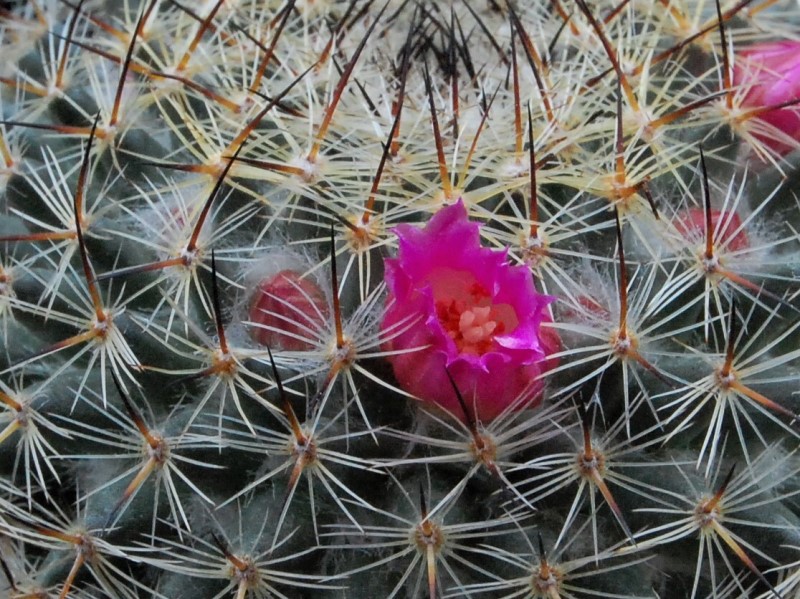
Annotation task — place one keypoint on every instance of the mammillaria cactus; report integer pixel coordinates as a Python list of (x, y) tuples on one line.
[(399, 299)]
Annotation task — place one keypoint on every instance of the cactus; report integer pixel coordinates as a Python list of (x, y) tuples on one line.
[(213, 333)]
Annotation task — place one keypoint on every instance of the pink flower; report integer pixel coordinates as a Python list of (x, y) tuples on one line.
[(470, 312), (770, 75)]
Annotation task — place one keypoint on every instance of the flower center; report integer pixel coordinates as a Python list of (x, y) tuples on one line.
[(472, 328), (465, 310)]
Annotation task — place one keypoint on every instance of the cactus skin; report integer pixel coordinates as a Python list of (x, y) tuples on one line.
[(158, 158)]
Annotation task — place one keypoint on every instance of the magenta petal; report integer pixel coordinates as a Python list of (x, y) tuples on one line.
[(473, 314), (770, 75)]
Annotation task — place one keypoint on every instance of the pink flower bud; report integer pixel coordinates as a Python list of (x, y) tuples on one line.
[(587, 307), (692, 225), (287, 311), (463, 307), (769, 74)]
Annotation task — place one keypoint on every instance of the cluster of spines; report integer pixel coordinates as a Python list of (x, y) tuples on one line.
[(158, 154)]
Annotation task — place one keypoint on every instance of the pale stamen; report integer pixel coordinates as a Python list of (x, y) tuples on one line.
[(475, 326)]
